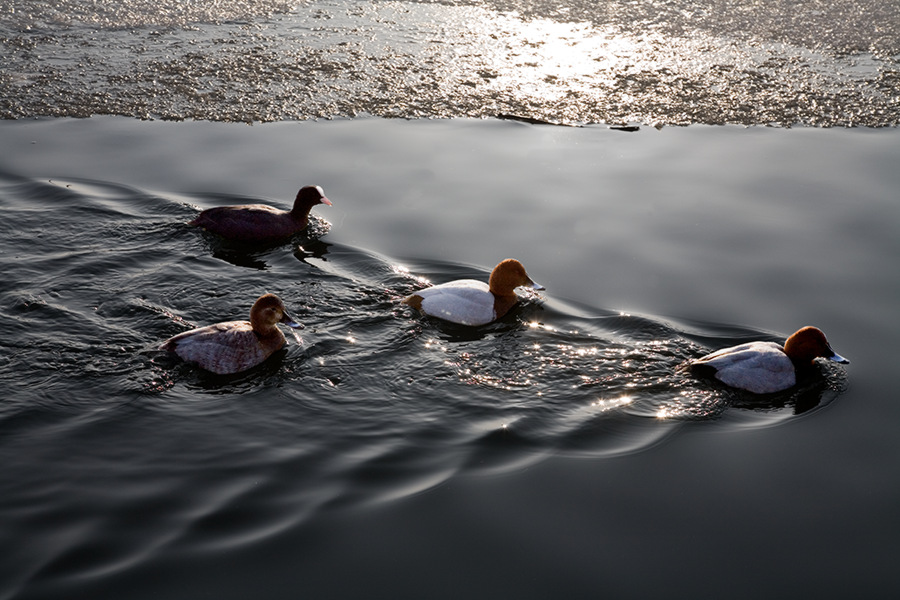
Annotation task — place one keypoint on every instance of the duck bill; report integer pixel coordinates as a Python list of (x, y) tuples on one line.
[(289, 321), (325, 200), (838, 358), (535, 286)]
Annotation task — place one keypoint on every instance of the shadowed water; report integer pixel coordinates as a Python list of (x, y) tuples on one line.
[(558, 452), (152, 457)]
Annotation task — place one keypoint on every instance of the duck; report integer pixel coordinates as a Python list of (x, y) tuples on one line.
[(235, 346), (767, 367), (260, 223), (472, 302)]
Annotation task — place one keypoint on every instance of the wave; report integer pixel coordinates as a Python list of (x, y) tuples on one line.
[(152, 458)]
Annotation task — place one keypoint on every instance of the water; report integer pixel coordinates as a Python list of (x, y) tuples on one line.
[(559, 452), (125, 470)]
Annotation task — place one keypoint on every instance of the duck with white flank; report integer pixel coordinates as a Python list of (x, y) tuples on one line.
[(471, 302), (766, 367)]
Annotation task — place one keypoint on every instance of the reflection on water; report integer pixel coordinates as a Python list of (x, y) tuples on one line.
[(545, 372), (120, 459), (684, 62), (306, 245)]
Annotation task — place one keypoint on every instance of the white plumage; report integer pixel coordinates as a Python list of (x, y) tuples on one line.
[(464, 301), (758, 367), (766, 367), (471, 302)]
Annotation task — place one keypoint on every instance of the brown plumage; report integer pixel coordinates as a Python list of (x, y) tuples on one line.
[(235, 346), (259, 223)]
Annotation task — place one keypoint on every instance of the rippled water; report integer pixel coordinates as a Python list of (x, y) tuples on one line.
[(124, 469), (810, 62), (376, 404), (372, 389)]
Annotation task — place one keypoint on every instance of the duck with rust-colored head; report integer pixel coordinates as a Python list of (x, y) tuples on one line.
[(472, 302), (235, 346), (260, 223), (766, 367)]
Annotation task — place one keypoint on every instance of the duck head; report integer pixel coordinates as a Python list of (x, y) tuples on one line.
[(307, 197), (508, 275), (808, 344), (268, 311)]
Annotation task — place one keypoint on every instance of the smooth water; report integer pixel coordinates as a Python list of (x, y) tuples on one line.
[(563, 441)]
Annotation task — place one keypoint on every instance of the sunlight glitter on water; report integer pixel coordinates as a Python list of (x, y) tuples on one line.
[(538, 324), (612, 403), (406, 273)]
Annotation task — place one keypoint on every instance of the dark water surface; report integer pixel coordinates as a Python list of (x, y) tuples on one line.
[(559, 452)]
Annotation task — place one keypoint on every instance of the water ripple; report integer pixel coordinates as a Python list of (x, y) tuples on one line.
[(377, 403)]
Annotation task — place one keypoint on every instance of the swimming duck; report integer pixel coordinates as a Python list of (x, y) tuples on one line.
[(471, 302), (235, 346), (766, 367), (259, 223)]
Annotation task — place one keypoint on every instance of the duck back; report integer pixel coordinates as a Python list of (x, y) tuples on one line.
[(251, 223), (225, 348), (758, 367), (465, 302)]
